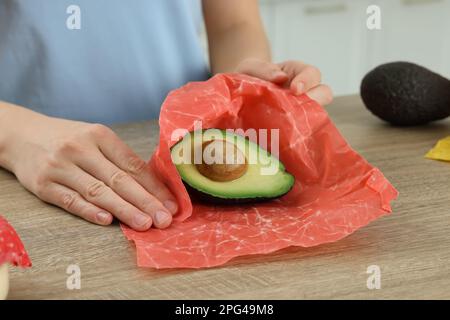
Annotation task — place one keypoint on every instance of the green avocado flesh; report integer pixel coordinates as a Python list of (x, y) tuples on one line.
[(264, 178)]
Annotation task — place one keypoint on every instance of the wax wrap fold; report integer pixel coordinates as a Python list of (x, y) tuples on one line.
[(335, 193)]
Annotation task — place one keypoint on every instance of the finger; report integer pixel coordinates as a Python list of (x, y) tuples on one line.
[(152, 184), (305, 79), (263, 70), (322, 94), (98, 193), (117, 152), (127, 188), (72, 202)]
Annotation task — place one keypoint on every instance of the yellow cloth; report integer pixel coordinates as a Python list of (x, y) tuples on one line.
[(441, 151)]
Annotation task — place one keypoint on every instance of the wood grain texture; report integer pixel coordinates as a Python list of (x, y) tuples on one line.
[(411, 246)]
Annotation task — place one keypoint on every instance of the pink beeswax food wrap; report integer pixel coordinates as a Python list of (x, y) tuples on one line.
[(336, 191)]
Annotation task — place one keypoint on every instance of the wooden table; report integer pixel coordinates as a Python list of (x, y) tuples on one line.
[(411, 246)]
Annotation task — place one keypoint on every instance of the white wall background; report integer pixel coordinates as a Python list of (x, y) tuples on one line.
[(332, 35)]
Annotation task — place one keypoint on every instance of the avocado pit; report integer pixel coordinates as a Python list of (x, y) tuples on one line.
[(221, 161)]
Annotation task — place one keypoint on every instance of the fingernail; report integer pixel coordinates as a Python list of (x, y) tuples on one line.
[(103, 217), (278, 74), (300, 87), (161, 217), (141, 219), (171, 206)]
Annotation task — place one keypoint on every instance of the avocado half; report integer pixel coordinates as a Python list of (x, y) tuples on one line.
[(264, 178)]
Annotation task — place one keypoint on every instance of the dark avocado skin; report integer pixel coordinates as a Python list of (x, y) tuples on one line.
[(199, 196), (406, 94)]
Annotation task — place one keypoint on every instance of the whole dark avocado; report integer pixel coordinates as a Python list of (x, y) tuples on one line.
[(406, 94)]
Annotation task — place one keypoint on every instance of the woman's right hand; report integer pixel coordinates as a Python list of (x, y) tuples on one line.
[(83, 168)]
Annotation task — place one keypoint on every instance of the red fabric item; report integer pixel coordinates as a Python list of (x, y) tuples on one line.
[(335, 193), (11, 248)]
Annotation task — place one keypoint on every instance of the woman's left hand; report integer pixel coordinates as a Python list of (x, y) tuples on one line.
[(299, 77)]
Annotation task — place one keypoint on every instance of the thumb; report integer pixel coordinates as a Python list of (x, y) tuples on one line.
[(263, 70)]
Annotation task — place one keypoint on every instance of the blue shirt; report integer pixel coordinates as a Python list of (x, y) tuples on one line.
[(113, 62)]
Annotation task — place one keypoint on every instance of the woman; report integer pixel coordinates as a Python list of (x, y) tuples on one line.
[(116, 64)]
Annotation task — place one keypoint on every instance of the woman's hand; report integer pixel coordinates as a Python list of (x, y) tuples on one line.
[(87, 170), (296, 75)]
